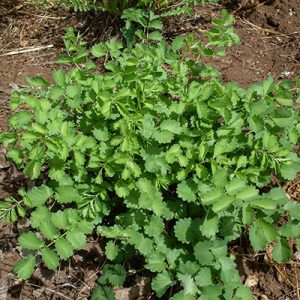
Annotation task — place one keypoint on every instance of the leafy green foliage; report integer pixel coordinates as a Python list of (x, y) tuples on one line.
[(11, 210), (113, 275), (159, 155), (117, 6)]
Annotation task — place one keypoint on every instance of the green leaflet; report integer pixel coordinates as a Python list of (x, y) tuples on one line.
[(210, 226), (204, 277), (50, 258), (156, 262), (76, 238), (63, 248), (39, 216), (261, 233), (37, 196), (48, 230), (67, 194), (282, 253), (161, 283), (155, 226), (187, 190), (113, 274), (181, 230), (111, 250), (29, 240), (25, 267), (103, 293)]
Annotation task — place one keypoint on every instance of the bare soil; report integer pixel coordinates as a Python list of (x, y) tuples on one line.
[(270, 45)]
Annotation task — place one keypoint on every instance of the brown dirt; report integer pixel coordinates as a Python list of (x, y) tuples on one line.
[(270, 44)]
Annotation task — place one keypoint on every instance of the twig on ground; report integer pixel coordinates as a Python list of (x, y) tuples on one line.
[(43, 16), (26, 50), (265, 29)]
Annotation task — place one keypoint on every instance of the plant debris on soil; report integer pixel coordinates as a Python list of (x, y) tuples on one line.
[(30, 40)]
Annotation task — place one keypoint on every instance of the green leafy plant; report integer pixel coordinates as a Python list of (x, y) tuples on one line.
[(117, 6), (161, 158)]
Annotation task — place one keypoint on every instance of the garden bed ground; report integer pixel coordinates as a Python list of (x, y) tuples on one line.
[(270, 44)]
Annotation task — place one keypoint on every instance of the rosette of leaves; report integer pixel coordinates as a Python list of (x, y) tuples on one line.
[(175, 157)]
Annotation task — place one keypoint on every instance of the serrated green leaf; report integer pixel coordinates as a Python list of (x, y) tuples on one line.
[(63, 248), (257, 238), (142, 244), (213, 196), (67, 194), (204, 277), (59, 77), (17, 155), (222, 203), (268, 230), (248, 193), (161, 283), (48, 230), (228, 272), (178, 43), (171, 126), (182, 296), (210, 226), (155, 227), (50, 258), (60, 219), (247, 215), (39, 216), (33, 169), (234, 186), (29, 240), (181, 230), (156, 262), (155, 36), (103, 293), (99, 50), (282, 253), (24, 268), (289, 230), (111, 250), (186, 190), (261, 233), (188, 267), (243, 293), (76, 238), (289, 170), (188, 284), (163, 137), (263, 203), (37, 196), (73, 91), (37, 81), (113, 275), (202, 252)]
